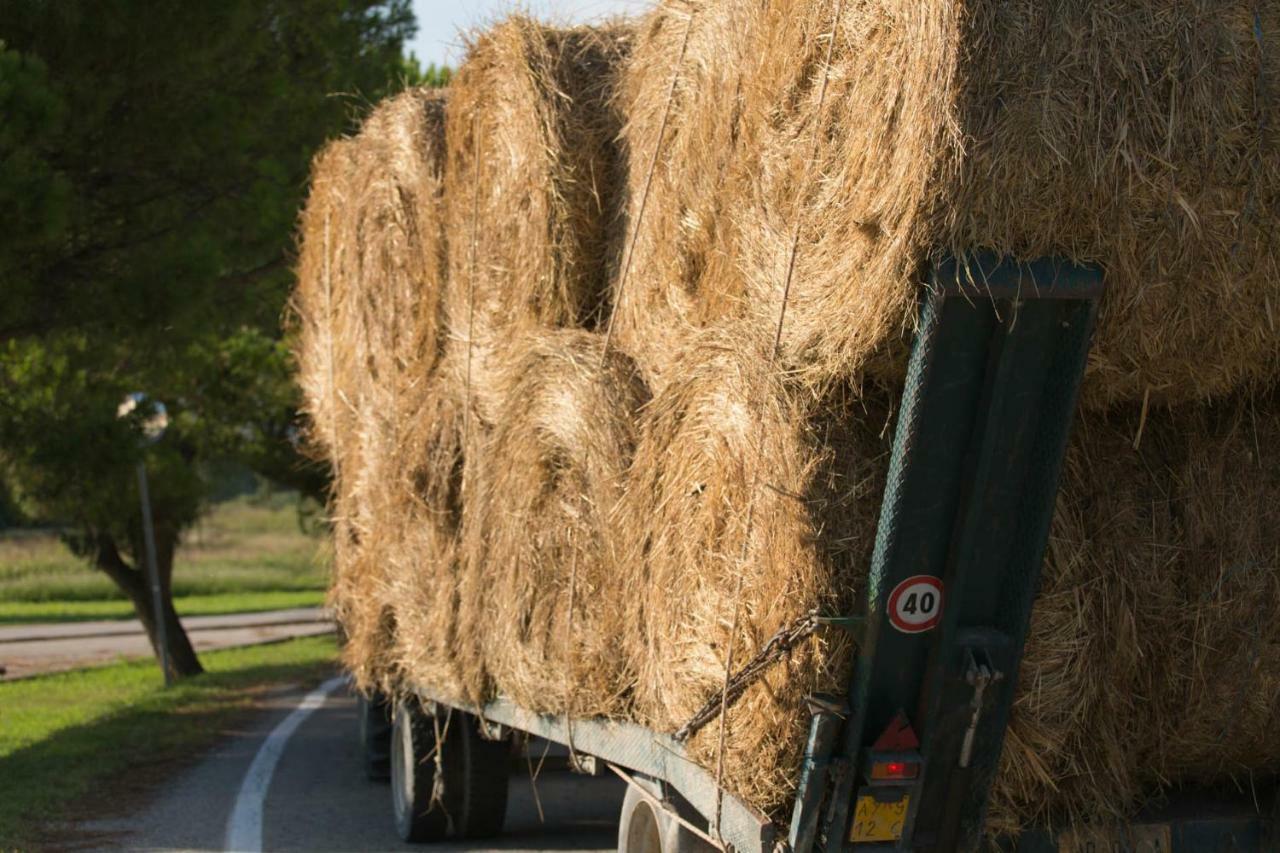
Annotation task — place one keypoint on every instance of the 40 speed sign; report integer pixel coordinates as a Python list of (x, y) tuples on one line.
[(915, 605)]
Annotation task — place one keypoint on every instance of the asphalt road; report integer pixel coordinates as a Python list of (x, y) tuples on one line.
[(318, 799), (50, 647)]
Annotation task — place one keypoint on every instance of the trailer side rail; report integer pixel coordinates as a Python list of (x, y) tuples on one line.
[(640, 750)]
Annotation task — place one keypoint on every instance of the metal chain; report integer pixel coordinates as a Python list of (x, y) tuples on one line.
[(780, 644)]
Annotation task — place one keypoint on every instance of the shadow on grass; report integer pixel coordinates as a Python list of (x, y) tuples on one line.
[(76, 771)]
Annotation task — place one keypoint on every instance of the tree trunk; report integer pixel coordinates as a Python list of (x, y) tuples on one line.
[(134, 584)]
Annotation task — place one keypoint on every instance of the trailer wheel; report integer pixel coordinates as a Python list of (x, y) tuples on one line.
[(375, 735), (466, 797), (646, 828)]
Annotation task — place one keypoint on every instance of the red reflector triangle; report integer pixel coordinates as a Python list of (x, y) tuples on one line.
[(898, 737)]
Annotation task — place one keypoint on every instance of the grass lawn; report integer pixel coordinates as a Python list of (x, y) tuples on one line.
[(64, 736), (247, 554), (16, 612)]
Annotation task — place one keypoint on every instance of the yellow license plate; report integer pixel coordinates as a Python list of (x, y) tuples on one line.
[(874, 820)]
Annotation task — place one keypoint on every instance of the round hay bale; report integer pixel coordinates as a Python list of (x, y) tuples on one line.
[(423, 570), (532, 182), (679, 142), (1154, 652), (329, 359), (546, 599), (1142, 137), (1137, 137), (368, 298), (853, 207), (405, 414), (398, 213), (321, 305), (734, 484)]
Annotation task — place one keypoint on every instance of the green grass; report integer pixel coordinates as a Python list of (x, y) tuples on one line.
[(18, 612), (64, 737), (246, 554)]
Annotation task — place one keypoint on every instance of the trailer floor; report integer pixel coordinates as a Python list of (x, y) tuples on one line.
[(318, 799)]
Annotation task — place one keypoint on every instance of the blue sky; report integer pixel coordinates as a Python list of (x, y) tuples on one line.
[(440, 21)]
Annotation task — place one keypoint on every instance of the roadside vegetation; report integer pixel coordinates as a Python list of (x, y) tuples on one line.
[(248, 554), (63, 736), (147, 213)]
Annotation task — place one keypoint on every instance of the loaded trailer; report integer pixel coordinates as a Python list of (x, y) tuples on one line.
[(906, 759)]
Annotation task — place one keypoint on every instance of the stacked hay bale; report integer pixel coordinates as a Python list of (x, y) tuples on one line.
[(532, 183), (516, 516), (1154, 651), (744, 510), (532, 221), (418, 405), (331, 357), (548, 597), (368, 301), (682, 98), (1134, 136)]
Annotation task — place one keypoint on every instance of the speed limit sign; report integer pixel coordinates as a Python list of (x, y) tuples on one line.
[(915, 605)]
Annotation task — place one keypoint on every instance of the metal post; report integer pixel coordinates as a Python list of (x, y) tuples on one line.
[(814, 769), (153, 574), (988, 402)]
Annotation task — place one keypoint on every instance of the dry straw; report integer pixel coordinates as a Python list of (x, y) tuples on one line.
[(907, 169), (1154, 654), (532, 131), (681, 94), (581, 550), (368, 301), (1135, 135), (547, 599), (738, 495)]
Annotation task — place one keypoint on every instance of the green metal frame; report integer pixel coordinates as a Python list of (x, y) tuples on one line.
[(987, 407)]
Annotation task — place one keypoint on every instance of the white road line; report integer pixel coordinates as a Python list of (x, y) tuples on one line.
[(244, 827)]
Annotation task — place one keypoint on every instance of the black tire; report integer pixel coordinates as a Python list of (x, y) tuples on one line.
[(472, 798), (375, 736)]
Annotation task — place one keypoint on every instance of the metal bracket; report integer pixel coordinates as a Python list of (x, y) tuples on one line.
[(584, 764), (855, 625), (986, 410), (979, 674)]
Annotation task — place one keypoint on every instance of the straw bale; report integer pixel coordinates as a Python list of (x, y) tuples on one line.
[(671, 249), (532, 178), (1157, 600), (368, 302), (479, 478), (735, 482), (1154, 651), (1134, 135), (321, 302), (424, 565), (330, 359), (540, 556)]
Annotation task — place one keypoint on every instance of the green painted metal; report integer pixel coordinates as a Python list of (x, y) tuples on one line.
[(989, 398), (824, 727)]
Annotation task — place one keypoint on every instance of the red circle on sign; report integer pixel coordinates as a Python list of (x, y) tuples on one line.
[(915, 605)]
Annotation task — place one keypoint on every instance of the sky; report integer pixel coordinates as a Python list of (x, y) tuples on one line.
[(440, 21)]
